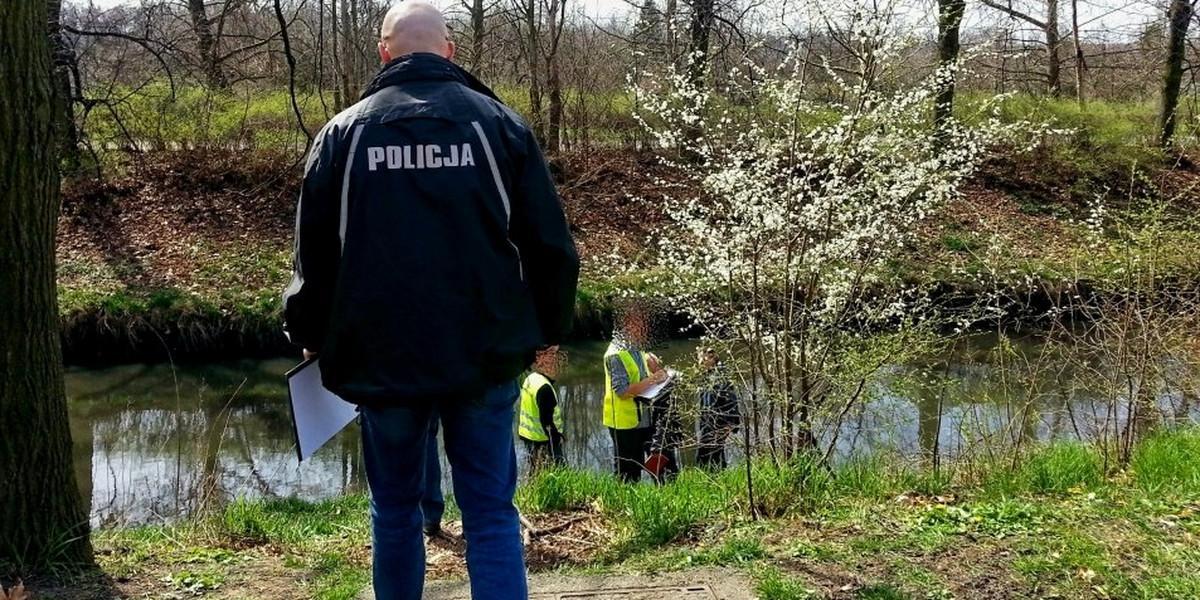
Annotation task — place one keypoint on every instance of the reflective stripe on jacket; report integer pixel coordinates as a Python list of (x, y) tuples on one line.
[(531, 422), (432, 257), (621, 413)]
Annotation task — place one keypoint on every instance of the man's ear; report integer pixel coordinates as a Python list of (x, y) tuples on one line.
[(384, 55), (450, 48)]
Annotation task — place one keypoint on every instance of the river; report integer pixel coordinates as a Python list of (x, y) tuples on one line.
[(153, 443)]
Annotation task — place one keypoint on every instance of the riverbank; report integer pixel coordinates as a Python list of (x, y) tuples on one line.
[(1051, 523), (183, 255)]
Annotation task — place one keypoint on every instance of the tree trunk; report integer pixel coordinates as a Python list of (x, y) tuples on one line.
[(354, 51), (42, 520), (670, 14), (556, 15), (703, 17), (339, 102), (347, 56), (1079, 66), (950, 13), (64, 62), (1179, 17), (1049, 27), (478, 32), (554, 123), (291, 63), (1053, 44), (533, 47), (206, 44), (319, 61)]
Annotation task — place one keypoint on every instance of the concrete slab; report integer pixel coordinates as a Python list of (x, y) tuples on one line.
[(694, 584)]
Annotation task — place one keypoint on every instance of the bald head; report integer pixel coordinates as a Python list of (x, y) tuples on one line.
[(414, 26)]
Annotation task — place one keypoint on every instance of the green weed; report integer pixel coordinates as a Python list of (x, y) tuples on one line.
[(338, 578), (1166, 462), (1061, 467), (959, 242), (774, 585), (660, 514), (999, 519), (795, 486), (880, 477), (292, 521), (812, 550), (738, 549), (194, 582), (566, 489)]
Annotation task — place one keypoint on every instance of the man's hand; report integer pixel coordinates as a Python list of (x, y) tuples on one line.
[(659, 376), (309, 355)]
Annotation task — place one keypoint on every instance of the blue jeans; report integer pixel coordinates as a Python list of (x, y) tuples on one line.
[(432, 503), (478, 436)]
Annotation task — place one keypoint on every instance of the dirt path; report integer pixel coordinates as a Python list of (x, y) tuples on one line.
[(697, 584)]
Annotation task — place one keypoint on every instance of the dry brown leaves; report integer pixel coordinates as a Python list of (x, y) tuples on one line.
[(559, 539), (14, 593)]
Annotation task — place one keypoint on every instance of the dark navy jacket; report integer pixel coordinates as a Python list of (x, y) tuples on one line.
[(432, 255)]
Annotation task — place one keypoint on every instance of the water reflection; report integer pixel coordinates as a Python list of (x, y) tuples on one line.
[(153, 443)]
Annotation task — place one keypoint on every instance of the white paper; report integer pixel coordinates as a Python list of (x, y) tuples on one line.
[(653, 391), (317, 413)]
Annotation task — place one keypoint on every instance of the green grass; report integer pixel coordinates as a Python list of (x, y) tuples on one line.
[(1057, 468), (1054, 526), (320, 539), (1168, 462), (264, 118), (290, 521), (339, 578), (561, 488), (193, 116), (775, 585), (959, 242), (655, 515), (789, 488)]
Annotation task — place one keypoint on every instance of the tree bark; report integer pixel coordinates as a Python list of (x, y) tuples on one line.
[(291, 63), (700, 30), (950, 14), (533, 47), (206, 44), (1179, 17), (478, 33), (346, 58), (557, 15), (1049, 28), (42, 520), (1053, 46), (339, 103), (1079, 65), (64, 62)]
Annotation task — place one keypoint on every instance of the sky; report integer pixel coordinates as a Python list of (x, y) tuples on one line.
[(1107, 18), (592, 8)]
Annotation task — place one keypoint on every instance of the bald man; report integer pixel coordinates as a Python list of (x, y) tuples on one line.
[(432, 260)]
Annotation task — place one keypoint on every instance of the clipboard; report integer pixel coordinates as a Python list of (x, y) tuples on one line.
[(653, 391), (317, 413)]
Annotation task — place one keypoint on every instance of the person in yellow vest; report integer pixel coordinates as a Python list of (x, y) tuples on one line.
[(541, 422), (628, 374)]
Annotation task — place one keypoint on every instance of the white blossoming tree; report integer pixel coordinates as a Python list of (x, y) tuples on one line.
[(786, 257)]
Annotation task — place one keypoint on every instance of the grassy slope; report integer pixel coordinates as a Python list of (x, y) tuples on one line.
[(192, 248), (1055, 525)]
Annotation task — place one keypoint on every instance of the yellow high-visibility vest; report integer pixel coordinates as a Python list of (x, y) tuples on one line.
[(621, 413), (531, 423)]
